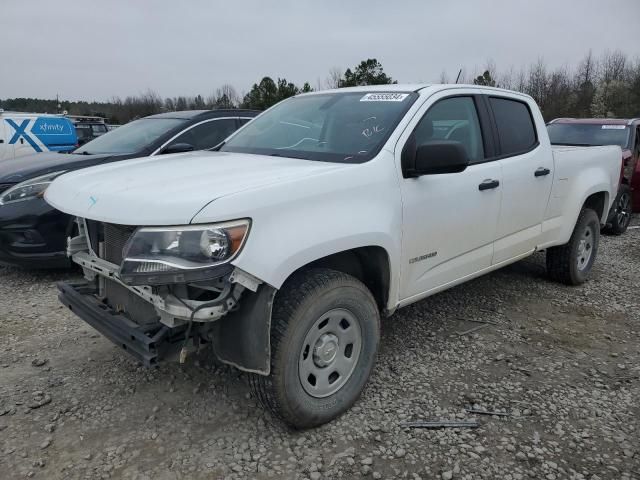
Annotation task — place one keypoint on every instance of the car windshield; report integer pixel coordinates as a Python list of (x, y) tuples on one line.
[(132, 137), (99, 129), (345, 127), (588, 134), (83, 131)]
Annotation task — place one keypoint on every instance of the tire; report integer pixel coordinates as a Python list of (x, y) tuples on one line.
[(621, 216), (572, 262), (304, 346)]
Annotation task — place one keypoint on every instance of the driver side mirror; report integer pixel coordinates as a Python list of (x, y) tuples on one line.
[(179, 148), (436, 157)]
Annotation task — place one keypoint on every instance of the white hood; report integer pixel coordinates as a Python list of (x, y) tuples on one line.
[(169, 189)]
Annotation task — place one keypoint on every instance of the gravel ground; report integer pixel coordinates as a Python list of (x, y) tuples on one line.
[(561, 362)]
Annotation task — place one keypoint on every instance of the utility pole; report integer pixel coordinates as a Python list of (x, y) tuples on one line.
[(58, 106)]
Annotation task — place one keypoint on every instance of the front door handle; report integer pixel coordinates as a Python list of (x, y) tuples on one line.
[(488, 184), (541, 172)]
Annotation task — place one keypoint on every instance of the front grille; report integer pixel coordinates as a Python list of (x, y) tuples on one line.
[(108, 240), (115, 238), (5, 186)]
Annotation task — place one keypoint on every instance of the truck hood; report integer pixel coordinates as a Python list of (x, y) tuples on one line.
[(170, 190), (19, 169)]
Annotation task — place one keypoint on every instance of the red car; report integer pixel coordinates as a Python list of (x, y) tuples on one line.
[(608, 131)]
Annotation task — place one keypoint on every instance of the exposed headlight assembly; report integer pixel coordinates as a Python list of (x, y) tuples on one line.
[(29, 189), (190, 253)]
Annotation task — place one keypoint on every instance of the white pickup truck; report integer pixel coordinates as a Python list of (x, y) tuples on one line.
[(283, 249)]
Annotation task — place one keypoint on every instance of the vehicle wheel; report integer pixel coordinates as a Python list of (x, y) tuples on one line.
[(325, 331), (622, 216), (572, 262)]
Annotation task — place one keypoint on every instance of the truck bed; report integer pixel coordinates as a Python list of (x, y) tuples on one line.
[(578, 173)]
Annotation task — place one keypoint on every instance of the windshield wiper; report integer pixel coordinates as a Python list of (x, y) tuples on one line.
[(299, 157)]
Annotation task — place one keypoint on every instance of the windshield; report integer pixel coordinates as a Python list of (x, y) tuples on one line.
[(99, 129), (132, 137), (341, 127), (588, 134), (83, 131)]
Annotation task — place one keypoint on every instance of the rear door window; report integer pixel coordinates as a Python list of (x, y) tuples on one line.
[(516, 129)]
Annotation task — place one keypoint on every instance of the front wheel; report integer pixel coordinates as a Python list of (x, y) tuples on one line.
[(572, 262), (325, 334), (622, 212)]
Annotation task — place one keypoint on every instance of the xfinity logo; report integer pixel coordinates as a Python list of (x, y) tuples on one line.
[(51, 128)]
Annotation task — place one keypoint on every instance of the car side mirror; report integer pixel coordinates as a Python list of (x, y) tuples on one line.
[(179, 148), (436, 157)]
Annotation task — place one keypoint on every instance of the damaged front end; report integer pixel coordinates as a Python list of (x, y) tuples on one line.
[(157, 291)]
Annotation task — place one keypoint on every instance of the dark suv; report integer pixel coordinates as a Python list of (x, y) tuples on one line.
[(33, 234), (608, 131)]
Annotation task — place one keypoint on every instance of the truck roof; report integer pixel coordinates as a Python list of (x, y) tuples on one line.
[(415, 87), (597, 121), (29, 114)]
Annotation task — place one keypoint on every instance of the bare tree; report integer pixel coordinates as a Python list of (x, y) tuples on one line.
[(537, 82), (334, 77), (612, 66), (506, 79), (225, 96), (520, 83)]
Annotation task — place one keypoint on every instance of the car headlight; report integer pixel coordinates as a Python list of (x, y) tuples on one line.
[(29, 189), (190, 253)]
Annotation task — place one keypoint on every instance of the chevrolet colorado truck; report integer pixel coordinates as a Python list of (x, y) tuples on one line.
[(283, 249)]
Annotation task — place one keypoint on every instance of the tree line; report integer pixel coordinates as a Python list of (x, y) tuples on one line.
[(604, 86)]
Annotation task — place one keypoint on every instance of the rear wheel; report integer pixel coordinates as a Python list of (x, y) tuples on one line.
[(622, 214), (572, 262), (325, 334)]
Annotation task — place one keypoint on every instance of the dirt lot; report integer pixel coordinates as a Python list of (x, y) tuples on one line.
[(561, 362)]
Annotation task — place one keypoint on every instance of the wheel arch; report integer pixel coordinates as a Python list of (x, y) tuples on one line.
[(242, 338), (370, 264), (598, 202)]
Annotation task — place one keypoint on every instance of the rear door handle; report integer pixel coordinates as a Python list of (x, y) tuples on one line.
[(541, 172), (488, 184)]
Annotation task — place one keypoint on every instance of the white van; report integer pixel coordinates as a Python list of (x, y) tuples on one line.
[(27, 133)]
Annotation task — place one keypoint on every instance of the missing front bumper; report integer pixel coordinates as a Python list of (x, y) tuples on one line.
[(147, 343), (240, 339)]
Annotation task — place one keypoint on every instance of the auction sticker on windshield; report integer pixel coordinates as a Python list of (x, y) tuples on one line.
[(384, 97), (613, 127)]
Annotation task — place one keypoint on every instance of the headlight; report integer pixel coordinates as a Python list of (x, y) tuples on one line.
[(32, 188), (191, 253)]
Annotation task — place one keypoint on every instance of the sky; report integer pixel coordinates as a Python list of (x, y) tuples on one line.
[(95, 50)]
